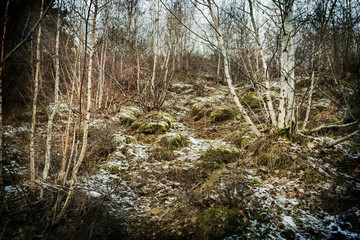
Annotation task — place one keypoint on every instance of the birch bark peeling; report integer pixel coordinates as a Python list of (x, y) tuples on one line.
[(227, 74)]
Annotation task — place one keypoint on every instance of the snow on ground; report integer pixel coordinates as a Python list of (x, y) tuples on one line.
[(142, 186), (133, 185)]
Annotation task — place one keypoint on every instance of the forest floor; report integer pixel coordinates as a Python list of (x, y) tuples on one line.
[(194, 171)]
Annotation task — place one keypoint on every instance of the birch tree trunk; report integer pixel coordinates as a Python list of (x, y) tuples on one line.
[(308, 108), (87, 120), (34, 106), (287, 62), (265, 77), (227, 73), (56, 102), (152, 82), (102, 74)]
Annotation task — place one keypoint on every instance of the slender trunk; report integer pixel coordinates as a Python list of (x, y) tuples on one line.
[(310, 91), (56, 102), (67, 131), (87, 120), (218, 68), (228, 77), (2, 187), (137, 70), (34, 106), (264, 65), (102, 67), (152, 83)]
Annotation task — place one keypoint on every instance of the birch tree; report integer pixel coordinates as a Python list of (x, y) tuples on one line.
[(55, 105), (80, 159), (223, 51), (287, 64), (261, 55), (34, 105)]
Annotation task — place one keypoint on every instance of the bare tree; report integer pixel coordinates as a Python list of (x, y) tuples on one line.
[(80, 159), (34, 105), (227, 72), (53, 107)]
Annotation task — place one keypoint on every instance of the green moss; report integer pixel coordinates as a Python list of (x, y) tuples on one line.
[(173, 142), (353, 147), (216, 158), (219, 222), (252, 101), (154, 122), (256, 183), (167, 118), (242, 142), (219, 115), (137, 124), (154, 127), (285, 134), (120, 139), (128, 115), (199, 111)]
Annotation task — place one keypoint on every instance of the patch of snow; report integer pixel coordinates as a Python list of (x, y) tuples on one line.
[(94, 194), (288, 221)]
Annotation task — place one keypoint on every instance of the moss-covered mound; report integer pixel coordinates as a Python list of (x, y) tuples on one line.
[(238, 138), (128, 115), (153, 122), (173, 142), (213, 159), (252, 100), (219, 222), (222, 114)]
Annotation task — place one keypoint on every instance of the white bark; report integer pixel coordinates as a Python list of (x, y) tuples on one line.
[(102, 74), (56, 102), (310, 91), (36, 92), (152, 82), (287, 61), (77, 164), (228, 76), (264, 64)]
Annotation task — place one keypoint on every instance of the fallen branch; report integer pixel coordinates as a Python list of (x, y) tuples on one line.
[(340, 140), (333, 125)]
